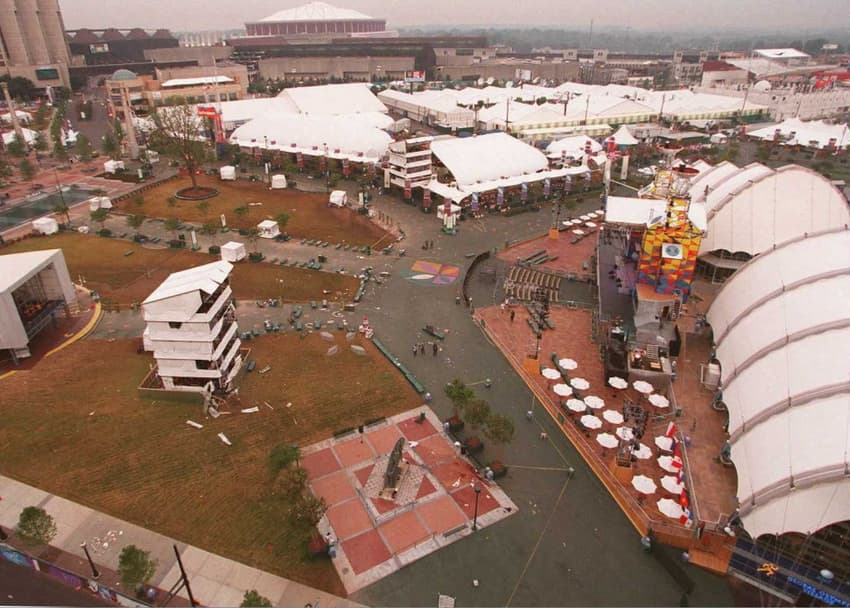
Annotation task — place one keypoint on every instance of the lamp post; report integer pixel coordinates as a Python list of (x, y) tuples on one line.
[(95, 573), (475, 515)]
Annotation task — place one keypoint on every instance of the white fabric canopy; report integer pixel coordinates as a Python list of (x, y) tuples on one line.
[(642, 452), (642, 386), (591, 422), (313, 136), (669, 464), (617, 382), (664, 443), (562, 390), (659, 401), (488, 157), (670, 508), (644, 484), (613, 416), (568, 364), (671, 484), (580, 384), (594, 402), (625, 433), (550, 373), (607, 440), (572, 147), (815, 133), (576, 405), (624, 137)]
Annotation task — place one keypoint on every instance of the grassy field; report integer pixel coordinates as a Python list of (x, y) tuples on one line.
[(309, 215), (87, 435), (131, 278)]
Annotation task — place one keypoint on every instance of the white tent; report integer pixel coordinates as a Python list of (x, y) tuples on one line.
[(573, 147), (227, 172), (23, 117), (268, 229), (29, 136), (815, 133), (782, 328), (233, 252), (487, 158), (329, 99), (100, 202), (624, 137), (113, 166), (45, 225), (278, 182), (441, 211), (338, 198), (336, 137)]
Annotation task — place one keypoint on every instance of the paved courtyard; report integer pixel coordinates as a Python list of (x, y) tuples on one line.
[(434, 505)]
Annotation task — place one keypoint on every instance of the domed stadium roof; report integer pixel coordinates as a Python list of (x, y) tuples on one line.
[(123, 74), (317, 11)]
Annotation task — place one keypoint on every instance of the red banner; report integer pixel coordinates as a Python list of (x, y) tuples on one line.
[(299, 159), (346, 167), (426, 198)]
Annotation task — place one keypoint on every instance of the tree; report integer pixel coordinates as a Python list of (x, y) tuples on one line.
[(253, 599), (19, 87), (135, 566), (99, 216), (109, 146), (61, 208), (253, 237), (178, 130), (282, 220), (459, 394), (499, 429), (59, 151), (135, 221), (211, 229), (282, 456), (26, 169), (477, 412), (83, 147), (36, 526), (171, 224), (40, 117), (17, 147), (40, 142)]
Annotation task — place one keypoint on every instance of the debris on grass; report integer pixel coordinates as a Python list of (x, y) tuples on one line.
[(224, 439), (266, 369), (194, 424), (251, 410)]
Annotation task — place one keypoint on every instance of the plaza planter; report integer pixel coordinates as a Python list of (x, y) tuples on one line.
[(473, 444), (499, 469), (455, 424)]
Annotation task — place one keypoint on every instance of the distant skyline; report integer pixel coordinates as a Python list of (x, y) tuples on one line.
[(789, 16)]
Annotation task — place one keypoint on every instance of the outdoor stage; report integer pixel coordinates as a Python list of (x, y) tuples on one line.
[(435, 505)]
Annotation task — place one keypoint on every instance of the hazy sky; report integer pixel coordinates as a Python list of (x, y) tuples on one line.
[(568, 14)]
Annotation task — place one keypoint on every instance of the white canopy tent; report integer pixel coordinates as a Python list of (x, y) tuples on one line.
[(268, 229), (486, 158), (314, 136), (624, 137), (233, 251), (815, 133), (782, 328), (572, 147), (331, 99)]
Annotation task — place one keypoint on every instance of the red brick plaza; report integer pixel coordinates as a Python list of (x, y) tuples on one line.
[(434, 505)]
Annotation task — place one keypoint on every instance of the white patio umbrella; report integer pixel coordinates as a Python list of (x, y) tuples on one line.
[(562, 390), (591, 422), (584, 218), (671, 484), (613, 416), (590, 224), (617, 382), (665, 443), (607, 440), (659, 400), (578, 231), (644, 484), (625, 432), (642, 453), (576, 405), (670, 508), (551, 373), (594, 402), (642, 386), (580, 384), (594, 214), (568, 364), (667, 463)]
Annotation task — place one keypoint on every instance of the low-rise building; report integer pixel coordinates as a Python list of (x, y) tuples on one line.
[(191, 329)]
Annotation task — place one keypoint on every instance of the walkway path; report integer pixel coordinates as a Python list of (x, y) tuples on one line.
[(215, 580)]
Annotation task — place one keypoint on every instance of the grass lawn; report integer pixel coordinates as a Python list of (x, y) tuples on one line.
[(131, 278), (80, 430), (309, 215)]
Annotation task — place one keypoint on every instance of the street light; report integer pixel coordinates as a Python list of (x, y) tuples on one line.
[(475, 515), (95, 573)]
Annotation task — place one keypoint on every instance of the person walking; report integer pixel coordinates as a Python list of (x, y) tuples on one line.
[(415, 349), (422, 348), (436, 349), (513, 314)]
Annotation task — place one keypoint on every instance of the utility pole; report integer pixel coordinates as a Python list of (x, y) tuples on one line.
[(507, 115), (132, 142), (13, 115)]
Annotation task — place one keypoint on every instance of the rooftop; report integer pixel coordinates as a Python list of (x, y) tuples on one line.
[(15, 267), (316, 11), (204, 278)]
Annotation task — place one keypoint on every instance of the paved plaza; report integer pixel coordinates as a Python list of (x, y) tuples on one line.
[(433, 507)]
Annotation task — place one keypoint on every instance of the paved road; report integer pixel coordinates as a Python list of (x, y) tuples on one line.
[(21, 586)]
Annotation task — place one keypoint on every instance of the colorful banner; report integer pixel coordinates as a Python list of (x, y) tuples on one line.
[(500, 197), (474, 204), (408, 192), (299, 159), (426, 198), (346, 167), (523, 196)]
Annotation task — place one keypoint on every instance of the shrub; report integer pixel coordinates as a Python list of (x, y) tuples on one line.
[(253, 599), (215, 249), (135, 566), (282, 456), (35, 525)]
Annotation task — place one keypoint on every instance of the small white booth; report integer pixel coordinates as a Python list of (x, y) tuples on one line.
[(441, 211), (227, 172), (45, 225), (338, 198), (268, 229), (278, 182), (100, 202), (113, 166), (233, 252)]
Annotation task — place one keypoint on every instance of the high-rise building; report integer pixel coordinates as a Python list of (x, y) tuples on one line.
[(32, 42)]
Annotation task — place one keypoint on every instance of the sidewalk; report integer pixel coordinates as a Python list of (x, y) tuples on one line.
[(215, 580)]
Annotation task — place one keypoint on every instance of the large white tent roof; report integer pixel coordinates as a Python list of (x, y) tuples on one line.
[(352, 98), (624, 137), (573, 147), (317, 11), (782, 328), (205, 278), (815, 133), (312, 134), (488, 157), (753, 208)]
